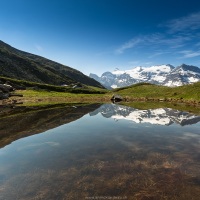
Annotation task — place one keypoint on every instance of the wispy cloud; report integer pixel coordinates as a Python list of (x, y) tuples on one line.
[(158, 54), (128, 45), (189, 53), (38, 47), (147, 63), (154, 40), (179, 34), (135, 62), (187, 23), (171, 42)]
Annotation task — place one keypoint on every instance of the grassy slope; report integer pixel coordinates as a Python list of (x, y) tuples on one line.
[(85, 89), (141, 90), (25, 66), (36, 97), (37, 93), (187, 92)]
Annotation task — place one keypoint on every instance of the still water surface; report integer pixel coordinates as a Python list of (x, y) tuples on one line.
[(112, 152)]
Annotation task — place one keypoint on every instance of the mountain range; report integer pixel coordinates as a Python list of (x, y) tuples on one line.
[(159, 116), (21, 65), (166, 75)]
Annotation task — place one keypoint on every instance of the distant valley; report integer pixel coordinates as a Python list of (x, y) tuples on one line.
[(166, 75), (21, 65), (24, 70)]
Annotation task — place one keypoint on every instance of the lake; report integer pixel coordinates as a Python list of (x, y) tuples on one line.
[(99, 151)]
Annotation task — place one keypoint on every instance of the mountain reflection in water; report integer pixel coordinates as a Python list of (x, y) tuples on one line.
[(77, 153), (160, 116)]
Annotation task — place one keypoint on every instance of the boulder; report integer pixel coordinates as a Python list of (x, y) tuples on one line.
[(5, 91), (4, 95), (6, 88), (15, 86), (116, 98)]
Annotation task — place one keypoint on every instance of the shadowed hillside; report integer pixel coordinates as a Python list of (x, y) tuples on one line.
[(25, 66)]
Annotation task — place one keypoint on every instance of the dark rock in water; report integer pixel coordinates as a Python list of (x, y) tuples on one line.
[(116, 98)]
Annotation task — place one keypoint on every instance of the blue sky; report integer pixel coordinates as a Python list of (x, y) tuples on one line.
[(101, 35)]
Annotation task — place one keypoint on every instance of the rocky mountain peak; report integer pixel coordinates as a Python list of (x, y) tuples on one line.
[(167, 75)]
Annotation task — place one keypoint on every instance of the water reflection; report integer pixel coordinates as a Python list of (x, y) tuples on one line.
[(160, 116), (25, 121), (94, 157)]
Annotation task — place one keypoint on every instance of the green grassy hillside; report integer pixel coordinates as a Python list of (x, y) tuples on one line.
[(143, 91), (85, 89), (146, 90)]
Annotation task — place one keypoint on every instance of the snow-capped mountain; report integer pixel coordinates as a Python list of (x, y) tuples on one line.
[(160, 116), (166, 75), (184, 74)]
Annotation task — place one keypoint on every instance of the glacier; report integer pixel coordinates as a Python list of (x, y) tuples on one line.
[(166, 75)]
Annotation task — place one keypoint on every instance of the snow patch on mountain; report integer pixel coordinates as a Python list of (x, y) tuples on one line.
[(142, 116), (166, 75)]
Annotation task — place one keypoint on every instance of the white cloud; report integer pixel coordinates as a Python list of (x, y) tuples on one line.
[(128, 45), (148, 63), (190, 53), (158, 54), (38, 47), (135, 62), (187, 23), (172, 42), (154, 40), (183, 32)]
